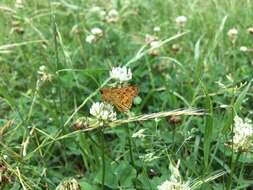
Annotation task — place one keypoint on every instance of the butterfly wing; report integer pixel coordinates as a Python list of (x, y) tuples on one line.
[(106, 94), (121, 98)]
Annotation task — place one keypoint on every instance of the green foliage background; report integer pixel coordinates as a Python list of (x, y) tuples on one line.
[(54, 36)]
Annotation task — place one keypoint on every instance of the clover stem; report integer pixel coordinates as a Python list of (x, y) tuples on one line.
[(103, 156), (130, 146)]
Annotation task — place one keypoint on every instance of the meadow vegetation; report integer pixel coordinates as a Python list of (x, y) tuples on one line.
[(186, 65)]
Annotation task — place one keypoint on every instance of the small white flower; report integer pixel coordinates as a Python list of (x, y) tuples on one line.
[(232, 34), (139, 134), (70, 184), (90, 39), (170, 185), (149, 157), (155, 44), (95, 9), (97, 32), (113, 16), (181, 21), (44, 75), (42, 68), (121, 73), (103, 111), (250, 30), (175, 182), (150, 38), (19, 4), (243, 133), (98, 11), (5, 157), (243, 49), (157, 29)]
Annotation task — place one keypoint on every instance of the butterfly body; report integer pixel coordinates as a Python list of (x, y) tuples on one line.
[(121, 98)]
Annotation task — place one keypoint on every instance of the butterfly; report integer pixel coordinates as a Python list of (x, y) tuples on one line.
[(121, 98)]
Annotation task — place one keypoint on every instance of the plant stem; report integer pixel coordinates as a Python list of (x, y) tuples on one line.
[(103, 157), (130, 147), (233, 166)]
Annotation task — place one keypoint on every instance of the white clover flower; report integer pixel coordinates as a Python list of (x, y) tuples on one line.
[(157, 29), (250, 30), (155, 44), (95, 9), (97, 32), (19, 4), (5, 157), (232, 34), (44, 75), (70, 184), (103, 111), (90, 39), (243, 133), (175, 182), (42, 68), (243, 49), (139, 134), (122, 74), (113, 16), (181, 21), (99, 11), (150, 38), (170, 185)]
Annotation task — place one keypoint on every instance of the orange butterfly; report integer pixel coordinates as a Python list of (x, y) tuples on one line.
[(121, 98)]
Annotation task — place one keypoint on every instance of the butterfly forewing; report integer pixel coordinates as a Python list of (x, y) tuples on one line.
[(121, 98)]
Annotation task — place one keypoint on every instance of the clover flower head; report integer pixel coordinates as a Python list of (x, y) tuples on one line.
[(98, 11), (250, 30), (44, 74), (90, 39), (232, 34), (170, 185), (150, 38), (181, 21), (70, 184), (243, 133), (157, 29), (122, 74), (113, 16), (103, 111), (243, 49), (97, 31), (95, 9), (19, 4), (155, 44), (42, 68), (175, 182)]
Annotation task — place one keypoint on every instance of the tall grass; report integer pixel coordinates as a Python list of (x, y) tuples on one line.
[(46, 136)]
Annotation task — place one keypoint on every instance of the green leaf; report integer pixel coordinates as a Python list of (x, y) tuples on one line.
[(241, 97), (86, 186), (126, 173)]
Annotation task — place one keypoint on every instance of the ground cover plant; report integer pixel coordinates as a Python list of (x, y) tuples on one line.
[(126, 94)]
